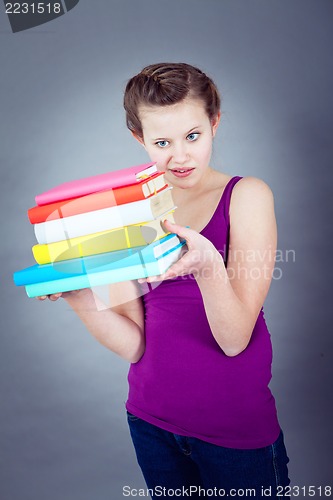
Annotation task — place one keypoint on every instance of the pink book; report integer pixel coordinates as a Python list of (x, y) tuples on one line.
[(101, 182)]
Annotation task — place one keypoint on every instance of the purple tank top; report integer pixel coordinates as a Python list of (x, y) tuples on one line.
[(184, 383)]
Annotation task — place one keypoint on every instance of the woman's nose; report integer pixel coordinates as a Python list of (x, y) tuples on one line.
[(180, 153)]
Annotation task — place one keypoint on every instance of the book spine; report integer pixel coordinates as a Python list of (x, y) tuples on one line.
[(97, 201), (141, 270), (96, 263), (96, 183), (77, 267), (107, 241), (97, 221), (84, 281)]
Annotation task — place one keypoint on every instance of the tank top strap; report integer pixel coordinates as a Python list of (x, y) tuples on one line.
[(222, 209), (224, 206), (226, 196), (218, 228)]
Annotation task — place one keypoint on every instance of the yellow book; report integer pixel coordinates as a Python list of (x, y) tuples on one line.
[(131, 236)]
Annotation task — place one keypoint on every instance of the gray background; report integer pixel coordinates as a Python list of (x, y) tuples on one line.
[(63, 430)]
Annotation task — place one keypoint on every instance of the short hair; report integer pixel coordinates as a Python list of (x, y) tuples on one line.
[(164, 84)]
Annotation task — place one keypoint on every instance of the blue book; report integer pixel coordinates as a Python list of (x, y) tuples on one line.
[(94, 263), (94, 270)]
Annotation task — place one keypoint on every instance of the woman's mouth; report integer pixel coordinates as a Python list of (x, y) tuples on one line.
[(181, 172)]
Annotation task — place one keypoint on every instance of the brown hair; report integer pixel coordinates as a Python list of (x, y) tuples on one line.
[(165, 84)]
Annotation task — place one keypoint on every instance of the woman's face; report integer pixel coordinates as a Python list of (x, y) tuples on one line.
[(179, 139)]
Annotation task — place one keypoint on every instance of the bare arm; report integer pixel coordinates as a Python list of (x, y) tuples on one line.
[(234, 296), (120, 327)]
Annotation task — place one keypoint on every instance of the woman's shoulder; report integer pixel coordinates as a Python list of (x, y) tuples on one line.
[(249, 185), (252, 185), (250, 188), (250, 197)]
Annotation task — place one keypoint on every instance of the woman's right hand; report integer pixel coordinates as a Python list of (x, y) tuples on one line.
[(53, 297), (64, 295)]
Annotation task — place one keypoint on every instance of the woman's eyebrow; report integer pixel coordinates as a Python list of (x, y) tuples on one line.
[(165, 138), (194, 128)]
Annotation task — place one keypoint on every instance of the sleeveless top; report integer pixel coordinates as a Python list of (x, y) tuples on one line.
[(184, 383)]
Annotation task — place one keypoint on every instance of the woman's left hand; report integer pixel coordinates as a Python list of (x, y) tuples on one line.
[(200, 257)]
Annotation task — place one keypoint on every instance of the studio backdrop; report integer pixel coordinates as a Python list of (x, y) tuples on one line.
[(63, 431)]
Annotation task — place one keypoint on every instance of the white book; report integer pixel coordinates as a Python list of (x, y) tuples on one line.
[(105, 219)]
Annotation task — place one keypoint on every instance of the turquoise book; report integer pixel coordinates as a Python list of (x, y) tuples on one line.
[(102, 269)]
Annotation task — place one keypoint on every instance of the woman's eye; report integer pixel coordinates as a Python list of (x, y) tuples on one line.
[(193, 137), (162, 144)]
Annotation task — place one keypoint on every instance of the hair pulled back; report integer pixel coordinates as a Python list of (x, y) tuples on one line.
[(164, 84)]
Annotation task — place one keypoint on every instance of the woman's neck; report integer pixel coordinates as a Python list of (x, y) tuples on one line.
[(206, 183)]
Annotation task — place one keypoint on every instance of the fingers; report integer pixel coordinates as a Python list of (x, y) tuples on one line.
[(53, 297), (151, 279), (182, 231), (171, 273)]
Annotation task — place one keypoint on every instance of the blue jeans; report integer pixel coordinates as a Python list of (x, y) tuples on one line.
[(191, 468)]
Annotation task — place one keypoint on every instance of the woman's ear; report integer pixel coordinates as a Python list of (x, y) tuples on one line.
[(215, 122), (138, 138)]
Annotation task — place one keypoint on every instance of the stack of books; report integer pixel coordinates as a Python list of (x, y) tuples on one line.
[(100, 230)]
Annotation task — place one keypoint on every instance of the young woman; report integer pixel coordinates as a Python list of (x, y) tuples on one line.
[(200, 412)]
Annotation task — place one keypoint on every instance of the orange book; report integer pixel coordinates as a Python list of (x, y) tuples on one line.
[(97, 201)]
